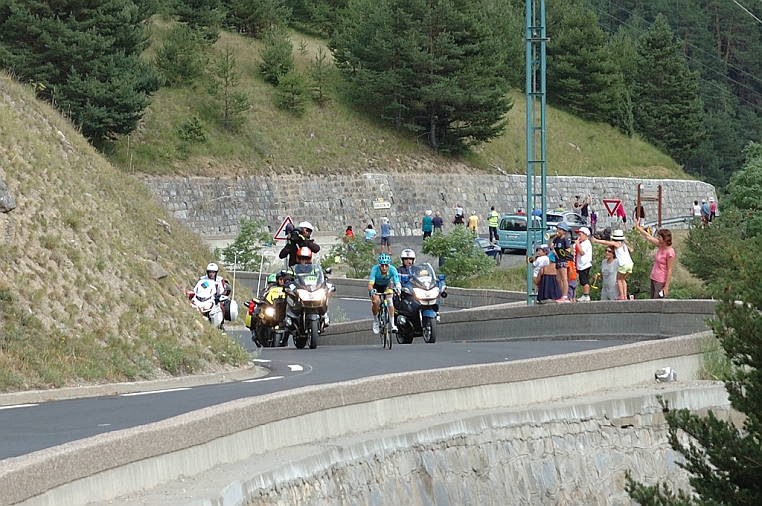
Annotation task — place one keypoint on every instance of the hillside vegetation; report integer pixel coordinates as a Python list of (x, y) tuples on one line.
[(335, 138), (92, 269)]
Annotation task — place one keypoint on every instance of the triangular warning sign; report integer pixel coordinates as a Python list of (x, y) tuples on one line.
[(611, 205), (281, 235)]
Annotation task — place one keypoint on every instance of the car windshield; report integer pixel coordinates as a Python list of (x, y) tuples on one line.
[(553, 218), (513, 224), (482, 243)]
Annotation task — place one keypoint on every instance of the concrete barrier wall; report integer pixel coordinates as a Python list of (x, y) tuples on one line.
[(121, 462), (212, 206), (632, 319)]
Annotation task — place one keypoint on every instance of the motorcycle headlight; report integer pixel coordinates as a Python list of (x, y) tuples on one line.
[(307, 295), (420, 293), (270, 312)]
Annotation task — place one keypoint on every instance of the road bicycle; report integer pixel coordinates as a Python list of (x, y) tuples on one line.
[(385, 319)]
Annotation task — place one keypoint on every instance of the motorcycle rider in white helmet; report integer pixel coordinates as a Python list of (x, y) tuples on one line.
[(300, 237), (408, 259), (211, 276)]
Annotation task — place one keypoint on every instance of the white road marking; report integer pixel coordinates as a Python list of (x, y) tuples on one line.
[(104, 425), (19, 406), (155, 392), (355, 298), (264, 361), (295, 367), (263, 379)]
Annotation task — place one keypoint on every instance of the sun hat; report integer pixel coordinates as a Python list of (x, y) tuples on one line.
[(618, 235), (703, 200), (711, 199), (428, 213), (563, 226), (543, 247), (584, 230)]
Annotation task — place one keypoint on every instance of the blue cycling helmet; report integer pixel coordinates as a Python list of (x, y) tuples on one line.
[(384, 259)]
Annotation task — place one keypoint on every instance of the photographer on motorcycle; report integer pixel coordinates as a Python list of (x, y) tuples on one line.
[(299, 238), (382, 276)]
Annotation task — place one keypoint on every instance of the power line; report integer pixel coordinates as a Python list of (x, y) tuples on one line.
[(710, 82)]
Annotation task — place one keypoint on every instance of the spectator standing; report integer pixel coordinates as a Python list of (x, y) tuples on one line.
[(547, 286), (370, 233), (639, 216), (584, 209), (540, 260), (473, 223), (576, 205), (386, 236), (427, 225), (584, 262), (696, 211), (622, 253), (563, 253), (437, 222), (349, 235), (492, 221), (520, 212), (593, 219), (705, 212), (459, 218), (609, 267), (712, 209), (664, 260), (621, 216)]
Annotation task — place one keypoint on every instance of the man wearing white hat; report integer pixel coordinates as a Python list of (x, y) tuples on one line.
[(584, 261)]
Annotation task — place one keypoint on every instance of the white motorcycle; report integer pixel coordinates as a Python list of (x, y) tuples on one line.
[(203, 299)]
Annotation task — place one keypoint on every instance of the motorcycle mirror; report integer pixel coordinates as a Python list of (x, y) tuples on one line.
[(443, 295), (328, 270), (441, 277)]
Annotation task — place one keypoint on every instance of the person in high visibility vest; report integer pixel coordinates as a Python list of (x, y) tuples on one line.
[(492, 221)]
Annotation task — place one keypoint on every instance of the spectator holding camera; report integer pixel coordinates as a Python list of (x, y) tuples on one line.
[(298, 238)]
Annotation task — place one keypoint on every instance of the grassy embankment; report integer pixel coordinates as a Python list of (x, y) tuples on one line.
[(337, 138), (92, 268)]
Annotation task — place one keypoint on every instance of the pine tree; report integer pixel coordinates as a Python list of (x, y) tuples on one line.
[(223, 83), (581, 75), (83, 57), (430, 66), (204, 17), (277, 56), (667, 109), (725, 461)]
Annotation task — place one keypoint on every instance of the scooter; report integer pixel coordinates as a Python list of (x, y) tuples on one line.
[(417, 308), (307, 309)]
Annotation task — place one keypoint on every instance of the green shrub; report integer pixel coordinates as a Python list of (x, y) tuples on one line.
[(192, 131)]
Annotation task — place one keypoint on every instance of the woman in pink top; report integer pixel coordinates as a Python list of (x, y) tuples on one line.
[(664, 259)]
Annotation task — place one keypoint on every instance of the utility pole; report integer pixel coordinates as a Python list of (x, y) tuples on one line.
[(536, 152)]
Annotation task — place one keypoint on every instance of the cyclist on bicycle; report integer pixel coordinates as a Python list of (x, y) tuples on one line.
[(383, 276)]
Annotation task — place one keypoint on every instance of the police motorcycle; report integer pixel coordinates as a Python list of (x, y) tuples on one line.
[(204, 299), (266, 314), (307, 303), (417, 310)]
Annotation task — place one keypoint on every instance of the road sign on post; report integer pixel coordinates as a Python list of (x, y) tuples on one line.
[(281, 235), (611, 205)]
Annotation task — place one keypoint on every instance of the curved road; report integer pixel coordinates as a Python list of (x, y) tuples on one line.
[(28, 428)]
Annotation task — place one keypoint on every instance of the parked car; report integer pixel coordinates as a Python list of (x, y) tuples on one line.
[(574, 220), (512, 231), (491, 250)]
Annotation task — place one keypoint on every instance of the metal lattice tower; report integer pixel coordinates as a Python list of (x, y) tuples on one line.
[(536, 152)]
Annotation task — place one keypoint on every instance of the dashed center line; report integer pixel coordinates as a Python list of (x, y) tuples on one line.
[(132, 394), (19, 406), (263, 379)]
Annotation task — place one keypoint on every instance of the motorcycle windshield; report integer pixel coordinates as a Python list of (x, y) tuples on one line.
[(308, 276), (423, 275)]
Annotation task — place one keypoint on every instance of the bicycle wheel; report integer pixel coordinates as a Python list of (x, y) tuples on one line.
[(387, 325)]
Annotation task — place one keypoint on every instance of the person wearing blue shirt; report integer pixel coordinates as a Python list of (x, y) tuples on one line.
[(382, 276)]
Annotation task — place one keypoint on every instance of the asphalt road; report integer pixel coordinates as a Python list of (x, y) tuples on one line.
[(28, 428)]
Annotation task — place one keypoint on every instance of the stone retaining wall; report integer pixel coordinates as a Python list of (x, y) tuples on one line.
[(212, 206)]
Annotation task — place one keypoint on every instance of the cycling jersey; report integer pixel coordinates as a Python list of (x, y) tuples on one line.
[(379, 279)]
